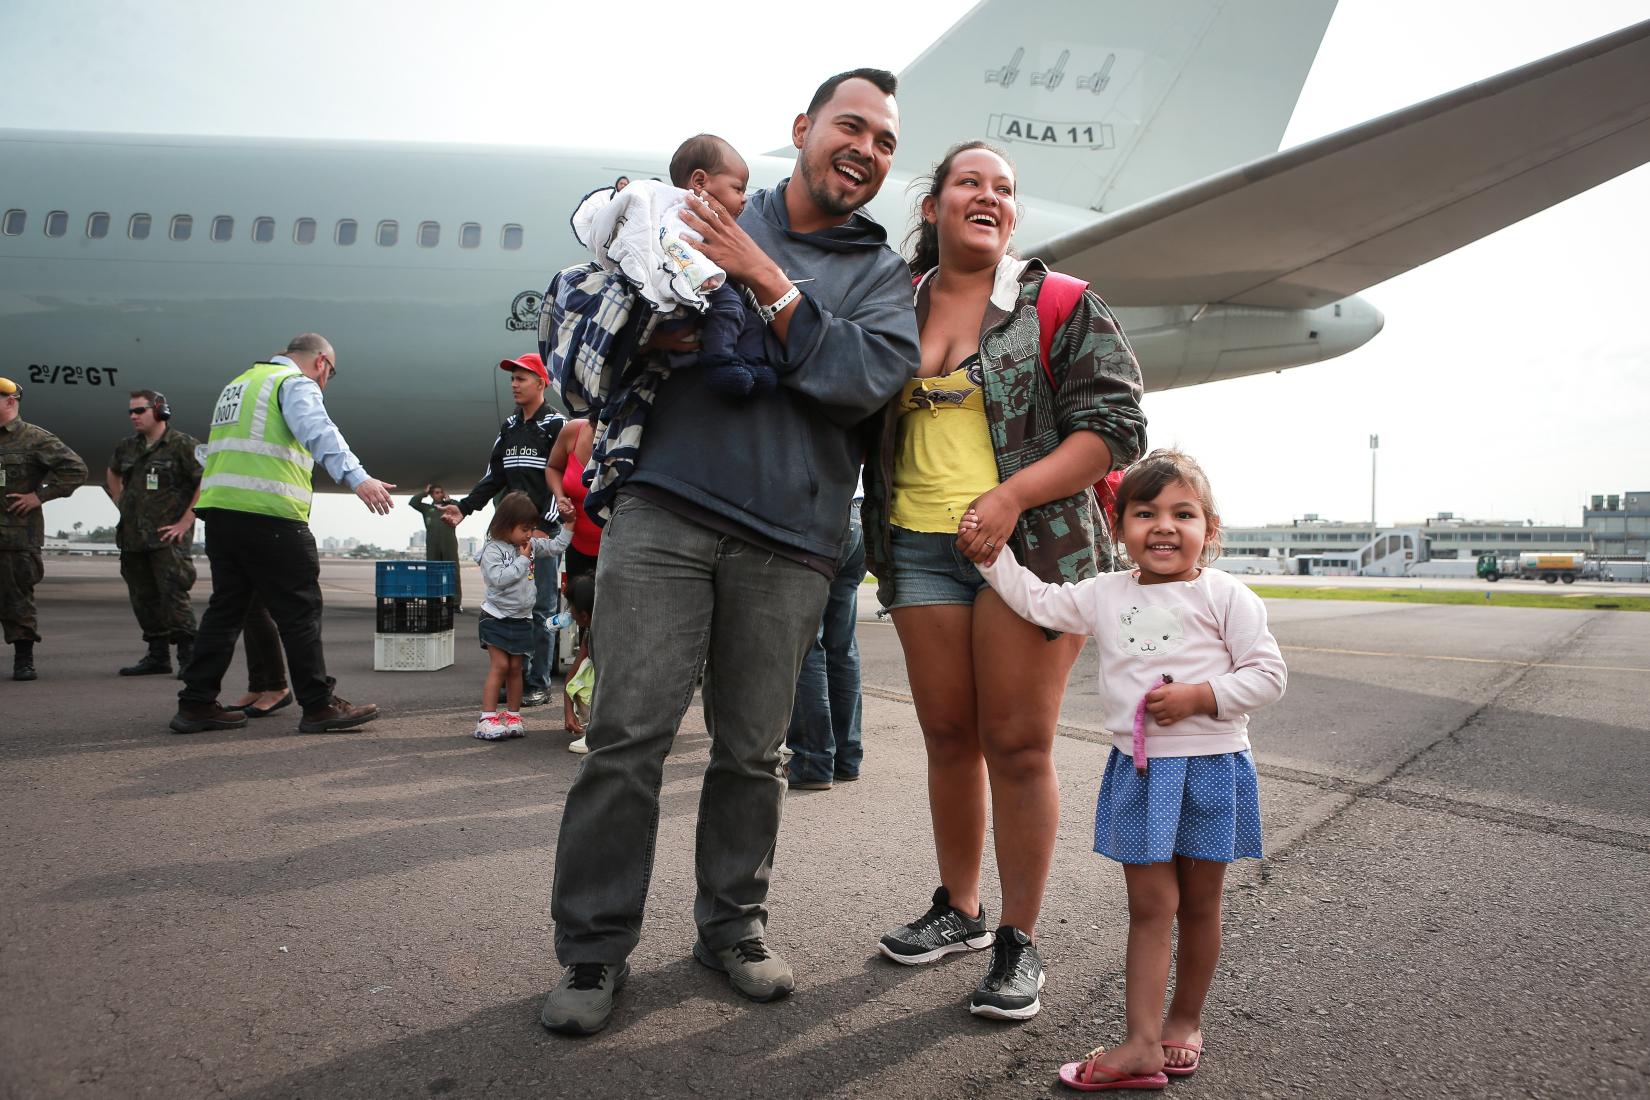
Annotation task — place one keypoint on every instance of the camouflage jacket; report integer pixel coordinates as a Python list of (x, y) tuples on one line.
[(33, 460), (1096, 388), (159, 483)]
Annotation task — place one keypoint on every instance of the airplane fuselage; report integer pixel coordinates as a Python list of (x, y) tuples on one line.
[(89, 309)]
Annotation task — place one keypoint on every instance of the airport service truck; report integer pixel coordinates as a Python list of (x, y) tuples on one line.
[(1530, 566)]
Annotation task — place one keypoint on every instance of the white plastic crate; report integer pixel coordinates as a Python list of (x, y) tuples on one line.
[(412, 652)]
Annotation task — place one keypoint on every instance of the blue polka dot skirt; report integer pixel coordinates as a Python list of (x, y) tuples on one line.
[(1202, 807)]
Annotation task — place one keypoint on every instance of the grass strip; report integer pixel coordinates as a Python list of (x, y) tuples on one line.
[(1455, 596)]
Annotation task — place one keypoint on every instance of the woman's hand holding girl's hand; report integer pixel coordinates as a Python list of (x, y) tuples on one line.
[(987, 525), (1172, 702)]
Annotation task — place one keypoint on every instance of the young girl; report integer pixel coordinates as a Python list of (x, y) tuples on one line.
[(508, 564), (580, 685), (1184, 656)]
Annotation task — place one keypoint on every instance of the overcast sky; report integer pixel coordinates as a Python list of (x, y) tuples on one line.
[(1512, 379)]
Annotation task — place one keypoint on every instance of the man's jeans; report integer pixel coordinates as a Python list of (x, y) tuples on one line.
[(670, 593), (824, 733), (536, 675)]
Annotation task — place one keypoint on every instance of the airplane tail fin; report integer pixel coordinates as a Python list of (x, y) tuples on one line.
[(1104, 104)]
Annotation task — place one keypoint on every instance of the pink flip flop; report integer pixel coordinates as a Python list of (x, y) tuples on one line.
[(1072, 1076), (1188, 1069)]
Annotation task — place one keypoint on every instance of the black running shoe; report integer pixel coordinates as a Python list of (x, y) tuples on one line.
[(937, 933), (1011, 987)]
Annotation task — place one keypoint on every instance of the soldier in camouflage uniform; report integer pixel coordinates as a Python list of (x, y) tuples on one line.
[(440, 537), (35, 467), (154, 478)]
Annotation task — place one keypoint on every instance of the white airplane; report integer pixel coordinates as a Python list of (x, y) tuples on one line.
[(1145, 136)]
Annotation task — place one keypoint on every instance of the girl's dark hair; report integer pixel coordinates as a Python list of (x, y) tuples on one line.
[(923, 242), (581, 592), (1158, 470), (511, 512)]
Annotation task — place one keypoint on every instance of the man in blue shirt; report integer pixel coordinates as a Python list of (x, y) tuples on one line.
[(258, 539)]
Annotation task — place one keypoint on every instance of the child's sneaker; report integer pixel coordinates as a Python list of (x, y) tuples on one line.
[(514, 726), (490, 728), (578, 746)]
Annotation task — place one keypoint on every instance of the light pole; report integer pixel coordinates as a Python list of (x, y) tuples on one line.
[(1374, 446)]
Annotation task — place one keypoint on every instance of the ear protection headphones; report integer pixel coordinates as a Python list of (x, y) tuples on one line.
[(161, 409)]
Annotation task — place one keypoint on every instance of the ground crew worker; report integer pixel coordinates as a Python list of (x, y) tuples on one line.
[(440, 537), (153, 479), (517, 463), (269, 428), (35, 466)]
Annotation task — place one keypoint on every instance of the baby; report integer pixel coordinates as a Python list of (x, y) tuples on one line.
[(640, 232), (731, 335)]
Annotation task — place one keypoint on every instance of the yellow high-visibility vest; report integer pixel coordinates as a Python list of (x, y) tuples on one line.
[(254, 463)]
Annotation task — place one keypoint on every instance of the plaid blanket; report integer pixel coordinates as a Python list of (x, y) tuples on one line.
[(589, 330)]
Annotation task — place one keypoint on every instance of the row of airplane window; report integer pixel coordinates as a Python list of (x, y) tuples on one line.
[(222, 228)]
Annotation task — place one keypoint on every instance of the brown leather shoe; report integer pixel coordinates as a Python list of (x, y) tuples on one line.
[(338, 714), (200, 717)]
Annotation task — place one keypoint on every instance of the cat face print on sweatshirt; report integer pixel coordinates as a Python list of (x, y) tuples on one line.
[(1149, 631)]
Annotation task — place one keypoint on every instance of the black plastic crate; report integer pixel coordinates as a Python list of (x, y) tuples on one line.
[(415, 614)]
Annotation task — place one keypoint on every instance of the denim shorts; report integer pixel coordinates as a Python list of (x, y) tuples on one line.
[(506, 635), (929, 570)]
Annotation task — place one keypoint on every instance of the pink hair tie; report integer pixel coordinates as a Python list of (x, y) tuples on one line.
[(1140, 725)]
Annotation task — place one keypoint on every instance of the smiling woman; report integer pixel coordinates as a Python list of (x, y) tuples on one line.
[(1020, 404)]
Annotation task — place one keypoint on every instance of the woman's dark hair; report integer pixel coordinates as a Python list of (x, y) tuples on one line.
[(923, 242), (511, 512), (1154, 473)]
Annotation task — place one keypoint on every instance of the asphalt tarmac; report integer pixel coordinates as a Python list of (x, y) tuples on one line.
[(1454, 901)]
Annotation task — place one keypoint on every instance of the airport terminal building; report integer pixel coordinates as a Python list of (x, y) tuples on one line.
[(1614, 528)]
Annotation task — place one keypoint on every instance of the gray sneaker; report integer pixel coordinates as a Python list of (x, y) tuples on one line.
[(1012, 989), (754, 970), (582, 1002)]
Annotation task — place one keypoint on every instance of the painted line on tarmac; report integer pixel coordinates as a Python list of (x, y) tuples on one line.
[(1455, 807), (1464, 660), (1383, 789)]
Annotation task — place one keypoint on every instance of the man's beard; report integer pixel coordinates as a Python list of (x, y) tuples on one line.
[(831, 205)]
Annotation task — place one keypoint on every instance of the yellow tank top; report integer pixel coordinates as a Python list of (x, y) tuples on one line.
[(944, 458)]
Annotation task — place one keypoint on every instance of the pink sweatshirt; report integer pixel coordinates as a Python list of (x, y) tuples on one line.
[(1209, 630)]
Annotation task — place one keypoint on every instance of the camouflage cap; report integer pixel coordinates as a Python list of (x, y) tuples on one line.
[(8, 387)]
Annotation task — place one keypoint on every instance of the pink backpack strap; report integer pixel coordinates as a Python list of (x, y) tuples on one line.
[(1056, 298)]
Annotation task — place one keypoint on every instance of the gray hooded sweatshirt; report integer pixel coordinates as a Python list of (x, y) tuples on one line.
[(784, 464)]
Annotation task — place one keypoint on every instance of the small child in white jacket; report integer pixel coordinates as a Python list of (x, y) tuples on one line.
[(509, 560), (1185, 654)]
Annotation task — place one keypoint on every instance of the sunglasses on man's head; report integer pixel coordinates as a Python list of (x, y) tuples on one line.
[(137, 409)]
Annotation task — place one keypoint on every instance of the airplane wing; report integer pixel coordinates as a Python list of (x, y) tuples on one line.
[(1316, 223)]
